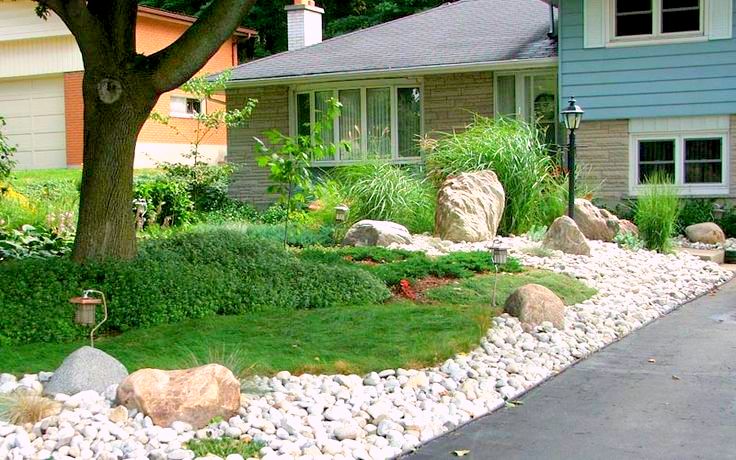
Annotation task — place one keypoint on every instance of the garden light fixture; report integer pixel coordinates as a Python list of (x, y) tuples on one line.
[(341, 213), (499, 256), (572, 116), (86, 314)]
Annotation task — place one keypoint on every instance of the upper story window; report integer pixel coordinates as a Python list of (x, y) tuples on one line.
[(378, 122), (656, 19), (186, 107)]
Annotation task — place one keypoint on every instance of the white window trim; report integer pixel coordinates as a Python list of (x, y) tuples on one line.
[(701, 190), (522, 111), (657, 37), (203, 105), (392, 84)]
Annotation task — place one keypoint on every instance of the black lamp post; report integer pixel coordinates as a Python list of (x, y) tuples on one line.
[(571, 117)]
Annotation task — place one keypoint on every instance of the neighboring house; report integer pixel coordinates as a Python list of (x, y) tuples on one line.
[(41, 74), (657, 79)]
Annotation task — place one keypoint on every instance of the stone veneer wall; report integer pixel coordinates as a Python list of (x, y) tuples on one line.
[(272, 112), (450, 100), (603, 157)]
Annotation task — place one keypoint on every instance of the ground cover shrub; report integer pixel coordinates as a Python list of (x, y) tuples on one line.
[(297, 235), (222, 447), (393, 266), (656, 214), (694, 211), (628, 240), (192, 274), (534, 184), (382, 191)]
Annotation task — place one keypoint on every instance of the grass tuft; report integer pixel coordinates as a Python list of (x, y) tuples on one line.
[(657, 210), (21, 407)]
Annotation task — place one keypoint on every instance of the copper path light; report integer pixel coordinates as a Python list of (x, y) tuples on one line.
[(86, 314)]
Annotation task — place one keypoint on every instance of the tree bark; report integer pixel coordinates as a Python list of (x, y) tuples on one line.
[(114, 113)]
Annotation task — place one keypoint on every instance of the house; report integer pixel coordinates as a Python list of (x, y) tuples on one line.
[(656, 78), (41, 89)]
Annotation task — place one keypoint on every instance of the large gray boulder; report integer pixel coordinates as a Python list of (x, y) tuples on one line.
[(86, 369), (706, 232), (534, 304), (564, 235), (469, 207), (594, 222), (376, 233)]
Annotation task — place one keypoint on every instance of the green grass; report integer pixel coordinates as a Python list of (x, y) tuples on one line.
[(223, 447), (354, 339), (344, 339), (478, 291)]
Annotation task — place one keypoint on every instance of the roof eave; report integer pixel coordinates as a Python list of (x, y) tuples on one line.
[(402, 72)]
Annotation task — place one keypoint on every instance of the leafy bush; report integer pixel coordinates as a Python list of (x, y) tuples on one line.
[(7, 150), (534, 186), (695, 211), (195, 273), (392, 266), (382, 191), (31, 242), (223, 447), (206, 184), (167, 200), (728, 221), (628, 240), (656, 212)]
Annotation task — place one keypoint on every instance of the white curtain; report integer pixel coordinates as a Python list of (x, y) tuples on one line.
[(378, 101), (350, 122), (321, 107), (506, 95)]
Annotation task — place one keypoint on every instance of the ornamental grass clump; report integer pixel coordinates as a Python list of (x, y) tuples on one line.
[(25, 406), (514, 150), (382, 191), (656, 212)]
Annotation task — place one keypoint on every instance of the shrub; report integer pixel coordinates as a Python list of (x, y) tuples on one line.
[(728, 221), (656, 212), (382, 191), (223, 447), (7, 150), (695, 211), (167, 200), (392, 266), (206, 184), (195, 273), (628, 240), (534, 186)]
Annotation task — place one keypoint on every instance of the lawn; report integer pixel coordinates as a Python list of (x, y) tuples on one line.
[(353, 339)]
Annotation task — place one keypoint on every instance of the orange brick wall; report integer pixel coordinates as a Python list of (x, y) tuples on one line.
[(152, 34), (74, 110)]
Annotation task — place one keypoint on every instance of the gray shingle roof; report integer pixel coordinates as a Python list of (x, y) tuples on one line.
[(464, 32)]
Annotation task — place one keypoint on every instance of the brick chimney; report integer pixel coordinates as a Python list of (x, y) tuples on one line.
[(304, 21)]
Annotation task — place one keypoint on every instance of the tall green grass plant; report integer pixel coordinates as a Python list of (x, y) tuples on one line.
[(657, 210)]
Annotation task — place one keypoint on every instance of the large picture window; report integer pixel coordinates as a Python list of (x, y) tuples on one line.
[(378, 122), (529, 96), (647, 19)]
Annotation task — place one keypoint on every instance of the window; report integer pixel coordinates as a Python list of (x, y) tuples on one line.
[(530, 96), (696, 162), (656, 19), (381, 122), (185, 107)]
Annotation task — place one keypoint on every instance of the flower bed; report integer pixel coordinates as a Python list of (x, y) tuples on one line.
[(383, 414)]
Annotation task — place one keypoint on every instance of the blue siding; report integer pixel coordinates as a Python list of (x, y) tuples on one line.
[(697, 78)]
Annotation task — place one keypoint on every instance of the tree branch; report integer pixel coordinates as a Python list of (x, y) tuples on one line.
[(177, 63), (87, 30)]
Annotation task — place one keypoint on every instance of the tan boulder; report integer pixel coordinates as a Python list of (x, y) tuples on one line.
[(376, 233), (564, 235), (469, 207), (594, 222), (194, 396), (626, 226), (534, 304), (706, 232)]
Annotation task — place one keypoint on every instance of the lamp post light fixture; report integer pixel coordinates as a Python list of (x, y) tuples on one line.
[(499, 256), (86, 314), (571, 117), (341, 213)]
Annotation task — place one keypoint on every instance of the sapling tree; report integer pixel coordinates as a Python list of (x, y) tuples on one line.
[(289, 159)]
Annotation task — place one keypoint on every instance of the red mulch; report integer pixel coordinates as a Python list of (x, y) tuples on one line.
[(420, 287)]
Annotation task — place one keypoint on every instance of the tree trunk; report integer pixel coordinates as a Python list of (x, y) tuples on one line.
[(115, 109)]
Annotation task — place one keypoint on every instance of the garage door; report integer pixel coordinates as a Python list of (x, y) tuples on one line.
[(34, 111)]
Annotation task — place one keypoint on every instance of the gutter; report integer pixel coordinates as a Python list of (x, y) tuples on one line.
[(400, 72)]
